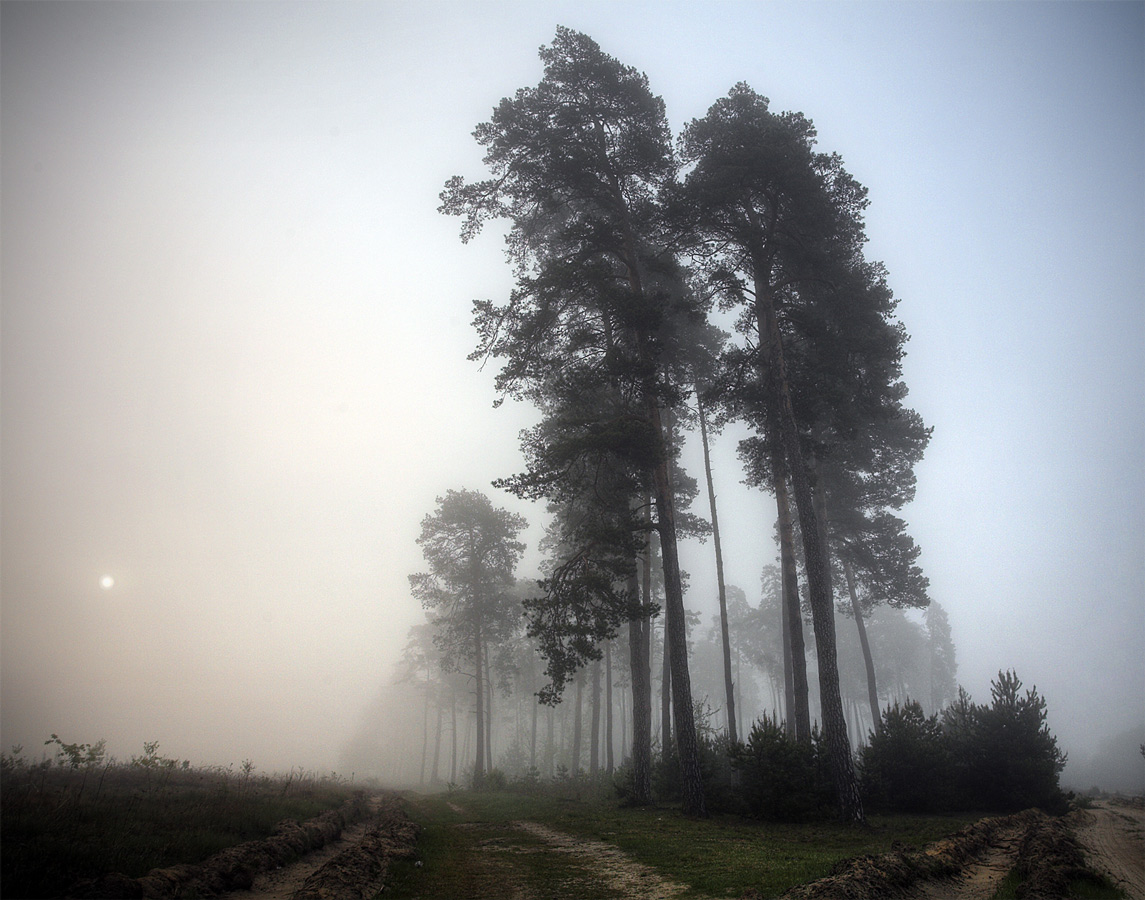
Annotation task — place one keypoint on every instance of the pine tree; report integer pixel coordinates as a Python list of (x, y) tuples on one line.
[(780, 230), (578, 163), (472, 550)]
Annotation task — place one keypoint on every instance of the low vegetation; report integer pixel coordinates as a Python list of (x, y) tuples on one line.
[(83, 814), (996, 758)]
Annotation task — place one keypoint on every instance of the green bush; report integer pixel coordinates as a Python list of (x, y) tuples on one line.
[(1000, 757), (781, 780), (1016, 761), (906, 766)]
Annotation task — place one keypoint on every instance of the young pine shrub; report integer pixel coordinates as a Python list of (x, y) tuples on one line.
[(1020, 758), (1003, 756), (782, 780), (906, 766)]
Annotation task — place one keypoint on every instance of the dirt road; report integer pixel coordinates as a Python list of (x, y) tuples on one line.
[(1113, 838)]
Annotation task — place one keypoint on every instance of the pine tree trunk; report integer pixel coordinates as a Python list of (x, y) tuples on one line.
[(868, 661), (424, 732), (434, 774), (687, 744), (468, 737), (641, 703), (608, 753), (665, 509), (788, 663), (533, 739), (551, 745), (665, 696), (479, 692), (453, 734), (815, 558), (488, 714), (594, 729), (624, 742), (729, 685), (801, 707), (575, 767)]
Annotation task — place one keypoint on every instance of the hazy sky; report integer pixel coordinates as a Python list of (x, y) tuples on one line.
[(235, 329)]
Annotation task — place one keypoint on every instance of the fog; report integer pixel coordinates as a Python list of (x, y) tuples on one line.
[(235, 329)]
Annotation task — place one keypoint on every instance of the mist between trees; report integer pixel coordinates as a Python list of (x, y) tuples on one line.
[(628, 247)]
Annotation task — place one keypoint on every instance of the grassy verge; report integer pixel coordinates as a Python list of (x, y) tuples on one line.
[(63, 824), (717, 857)]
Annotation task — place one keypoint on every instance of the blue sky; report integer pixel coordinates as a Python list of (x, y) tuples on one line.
[(235, 331)]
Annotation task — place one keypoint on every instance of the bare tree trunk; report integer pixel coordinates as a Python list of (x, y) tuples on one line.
[(868, 661), (729, 686)]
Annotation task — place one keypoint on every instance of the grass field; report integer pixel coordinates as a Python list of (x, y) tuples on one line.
[(717, 857), (61, 824)]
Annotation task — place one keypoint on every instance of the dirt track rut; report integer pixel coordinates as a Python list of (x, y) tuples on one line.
[(285, 882)]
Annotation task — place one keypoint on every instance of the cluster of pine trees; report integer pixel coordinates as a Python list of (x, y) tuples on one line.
[(624, 244)]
